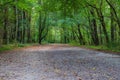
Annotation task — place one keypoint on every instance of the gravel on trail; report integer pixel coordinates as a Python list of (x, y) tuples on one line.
[(58, 62)]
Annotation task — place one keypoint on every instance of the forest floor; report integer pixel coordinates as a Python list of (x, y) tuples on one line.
[(58, 62)]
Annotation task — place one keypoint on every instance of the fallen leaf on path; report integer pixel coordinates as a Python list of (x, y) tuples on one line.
[(111, 79), (79, 78), (93, 68), (43, 77), (57, 71), (74, 73), (65, 74), (46, 70)]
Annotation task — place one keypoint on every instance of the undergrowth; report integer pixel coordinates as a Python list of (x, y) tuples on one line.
[(114, 47)]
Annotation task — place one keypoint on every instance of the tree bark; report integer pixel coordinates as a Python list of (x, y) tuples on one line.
[(80, 37), (5, 34), (115, 13), (94, 28), (112, 25)]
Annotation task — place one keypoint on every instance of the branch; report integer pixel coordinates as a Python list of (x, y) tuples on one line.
[(91, 5), (101, 3), (2, 5), (44, 34), (113, 9)]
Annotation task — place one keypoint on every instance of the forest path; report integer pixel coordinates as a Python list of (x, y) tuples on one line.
[(58, 62)]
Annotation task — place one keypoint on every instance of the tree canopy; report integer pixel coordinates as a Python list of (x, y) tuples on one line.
[(87, 22)]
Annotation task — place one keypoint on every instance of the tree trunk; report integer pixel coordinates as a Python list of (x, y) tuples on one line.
[(94, 28), (5, 34), (29, 29), (81, 40), (115, 13), (112, 26), (102, 21)]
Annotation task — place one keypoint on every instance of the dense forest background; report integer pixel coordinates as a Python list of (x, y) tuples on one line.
[(84, 22)]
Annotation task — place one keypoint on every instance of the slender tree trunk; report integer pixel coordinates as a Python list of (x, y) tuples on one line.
[(40, 25), (29, 29), (91, 30), (94, 28), (102, 21), (5, 34), (73, 34), (112, 26), (115, 13), (16, 23), (100, 30), (65, 37), (81, 40)]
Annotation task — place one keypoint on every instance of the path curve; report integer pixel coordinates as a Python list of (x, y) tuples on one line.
[(58, 62)]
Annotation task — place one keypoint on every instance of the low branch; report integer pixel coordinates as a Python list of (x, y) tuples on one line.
[(113, 10)]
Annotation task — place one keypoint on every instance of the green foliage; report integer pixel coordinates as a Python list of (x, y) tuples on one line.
[(74, 43), (114, 46), (14, 46), (106, 48), (60, 21), (6, 47)]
